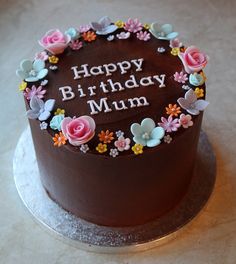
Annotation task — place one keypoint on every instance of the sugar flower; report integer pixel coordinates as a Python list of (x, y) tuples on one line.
[(105, 136), (175, 43), (89, 36), (146, 133), (101, 148), (119, 133), (103, 26), (169, 124), (43, 125), (41, 56), (44, 82), (167, 139), (173, 110), (175, 51), (78, 130), (84, 148), (143, 35), (55, 41), (59, 139), (84, 28), (119, 24), (73, 33), (59, 111), (22, 86), (180, 77), (137, 149), (53, 67), (110, 37), (76, 44), (193, 59), (39, 109), (123, 35), (32, 71), (185, 87), (55, 123), (191, 104), (53, 59), (185, 120), (146, 26), (161, 49), (133, 25), (199, 92), (196, 79), (122, 143), (114, 152), (34, 91), (164, 32)]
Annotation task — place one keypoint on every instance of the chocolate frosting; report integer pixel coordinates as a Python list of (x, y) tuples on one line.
[(129, 189)]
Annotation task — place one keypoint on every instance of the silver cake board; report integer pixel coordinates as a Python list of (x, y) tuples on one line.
[(88, 236)]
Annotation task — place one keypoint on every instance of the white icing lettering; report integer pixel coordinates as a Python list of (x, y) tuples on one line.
[(103, 86), (119, 108), (146, 81), (109, 68), (95, 108), (84, 71), (136, 102), (96, 70), (114, 85), (67, 93), (91, 88), (131, 83), (124, 66), (160, 80), (138, 63), (81, 91)]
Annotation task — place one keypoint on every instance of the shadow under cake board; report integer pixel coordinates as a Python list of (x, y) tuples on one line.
[(88, 236)]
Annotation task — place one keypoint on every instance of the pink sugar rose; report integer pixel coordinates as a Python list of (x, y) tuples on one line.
[(193, 59), (185, 120), (78, 130), (55, 41), (122, 143)]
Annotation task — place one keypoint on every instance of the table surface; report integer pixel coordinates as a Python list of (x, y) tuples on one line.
[(209, 24)]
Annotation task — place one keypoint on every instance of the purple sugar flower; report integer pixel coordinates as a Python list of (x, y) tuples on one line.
[(34, 91), (133, 25), (180, 77), (169, 124), (143, 35)]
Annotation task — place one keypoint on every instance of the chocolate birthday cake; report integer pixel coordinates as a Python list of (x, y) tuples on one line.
[(115, 111)]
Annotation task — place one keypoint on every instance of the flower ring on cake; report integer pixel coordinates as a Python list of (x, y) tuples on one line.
[(55, 41), (78, 130), (147, 134), (193, 59)]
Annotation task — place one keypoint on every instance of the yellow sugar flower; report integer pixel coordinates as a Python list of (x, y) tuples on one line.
[(22, 86), (199, 92), (175, 51), (119, 24), (146, 26), (59, 111), (53, 59), (137, 149), (101, 148)]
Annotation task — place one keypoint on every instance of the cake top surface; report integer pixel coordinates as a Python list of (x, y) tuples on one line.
[(114, 88)]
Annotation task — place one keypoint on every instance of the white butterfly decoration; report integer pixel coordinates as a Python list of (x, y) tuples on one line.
[(191, 104), (103, 26), (40, 110)]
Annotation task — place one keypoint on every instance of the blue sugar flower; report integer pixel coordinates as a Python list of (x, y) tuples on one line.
[(196, 79), (55, 123), (73, 33), (147, 134), (32, 71), (164, 32)]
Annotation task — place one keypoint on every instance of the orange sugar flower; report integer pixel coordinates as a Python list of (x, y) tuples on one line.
[(106, 137), (89, 36), (173, 110), (59, 139)]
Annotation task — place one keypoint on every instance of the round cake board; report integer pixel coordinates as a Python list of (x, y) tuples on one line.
[(88, 236)]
